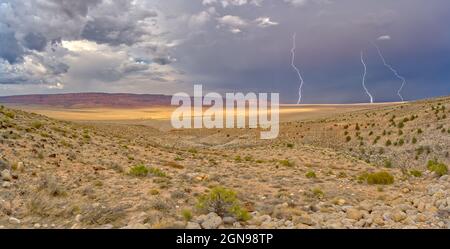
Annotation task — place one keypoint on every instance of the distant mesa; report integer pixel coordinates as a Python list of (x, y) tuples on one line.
[(89, 100)]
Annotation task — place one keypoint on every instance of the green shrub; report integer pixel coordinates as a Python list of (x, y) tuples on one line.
[(240, 213), (415, 173), (311, 174), (286, 163), (139, 170), (36, 124), (376, 140), (318, 193), (437, 167), (348, 139), (388, 164), (388, 143), (153, 192), (342, 175), (382, 178), (290, 145), (224, 202), (420, 150), (193, 151), (187, 214), (10, 115), (157, 172)]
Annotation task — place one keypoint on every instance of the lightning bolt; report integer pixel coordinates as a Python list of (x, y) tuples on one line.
[(364, 77), (296, 69), (399, 92)]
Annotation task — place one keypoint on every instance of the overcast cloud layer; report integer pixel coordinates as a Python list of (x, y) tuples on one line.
[(149, 46)]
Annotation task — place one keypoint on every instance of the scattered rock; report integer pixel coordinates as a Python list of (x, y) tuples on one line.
[(75, 226), (340, 202), (387, 216), (366, 205), (421, 206), (432, 189), (14, 175), (5, 207), (4, 165), (304, 219), (229, 220), (6, 184), (173, 224), (193, 225), (270, 225), (6, 175), (19, 166), (258, 220), (398, 216), (136, 226), (14, 221), (354, 214), (212, 221), (199, 219), (107, 226), (237, 225)]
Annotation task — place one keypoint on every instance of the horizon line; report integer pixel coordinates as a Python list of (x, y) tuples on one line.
[(170, 95)]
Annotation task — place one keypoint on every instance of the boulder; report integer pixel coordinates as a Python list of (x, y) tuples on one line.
[(354, 214), (212, 221), (6, 175)]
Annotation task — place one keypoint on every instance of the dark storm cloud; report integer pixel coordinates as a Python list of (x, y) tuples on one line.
[(76, 8), (106, 30), (109, 30), (36, 29), (35, 41), (162, 60), (330, 36), (10, 50), (118, 23)]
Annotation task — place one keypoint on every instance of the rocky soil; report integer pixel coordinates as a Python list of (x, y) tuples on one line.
[(57, 174)]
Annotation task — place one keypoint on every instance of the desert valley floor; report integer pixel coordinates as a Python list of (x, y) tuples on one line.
[(354, 166)]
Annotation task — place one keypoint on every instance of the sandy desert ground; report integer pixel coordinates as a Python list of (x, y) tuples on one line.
[(159, 116), (352, 166)]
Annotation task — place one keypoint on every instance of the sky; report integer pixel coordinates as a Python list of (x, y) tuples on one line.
[(167, 46)]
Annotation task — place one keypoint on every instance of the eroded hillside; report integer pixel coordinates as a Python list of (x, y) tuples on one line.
[(68, 175)]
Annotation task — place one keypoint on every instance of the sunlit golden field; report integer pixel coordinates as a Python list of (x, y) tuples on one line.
[(163, 113)]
